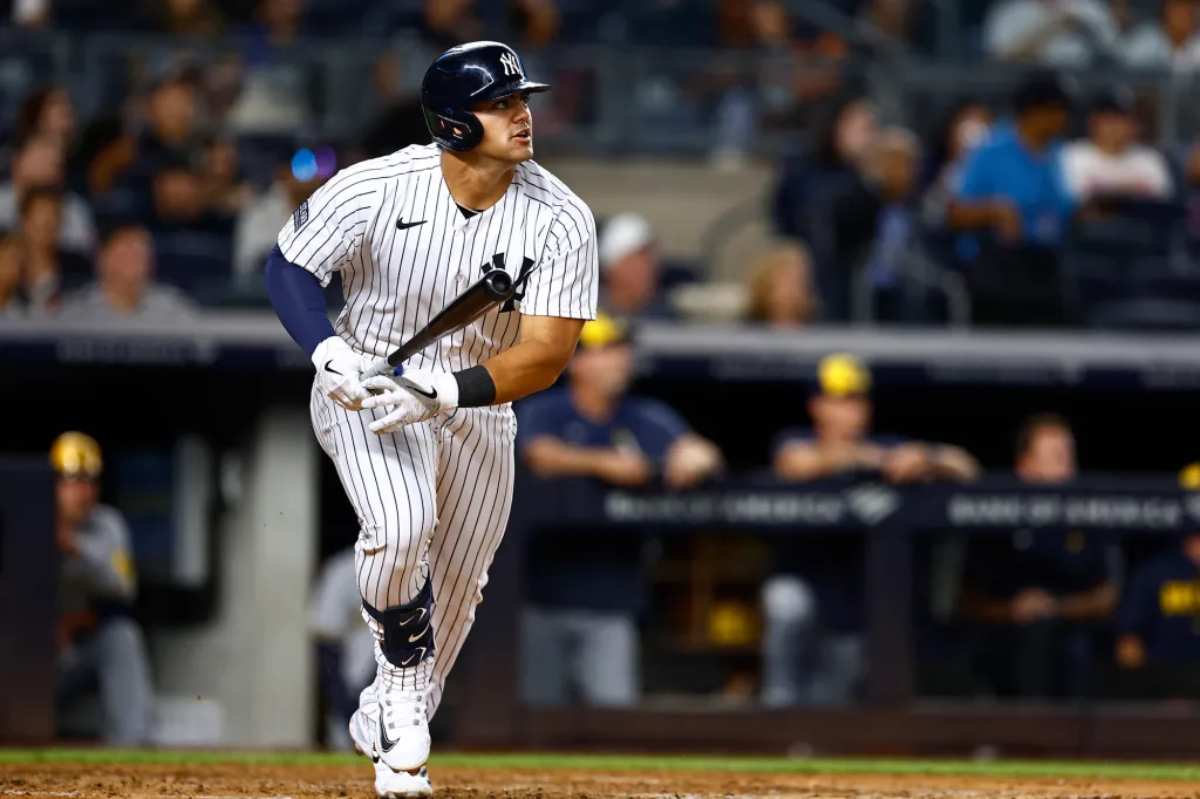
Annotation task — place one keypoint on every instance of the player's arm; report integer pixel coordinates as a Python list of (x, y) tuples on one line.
[(549, 456), (543, 349)]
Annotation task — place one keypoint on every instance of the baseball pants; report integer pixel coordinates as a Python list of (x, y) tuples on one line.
[(432, 501)]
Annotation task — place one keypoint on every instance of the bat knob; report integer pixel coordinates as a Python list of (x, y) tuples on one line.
[(397, 370)]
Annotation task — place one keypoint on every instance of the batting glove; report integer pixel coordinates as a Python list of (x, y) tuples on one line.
[(339, 371), (412, 397)]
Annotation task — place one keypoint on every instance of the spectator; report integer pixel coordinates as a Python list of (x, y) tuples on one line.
[(260, 220), (11, 306), (781, 291), (181, 196), (964, 129), (1035, 596), (398, 120), (811, 187), (47, 269), (536, 22), (226, 191), (812, 609), (275, 86), (1171, 42), (345, 646), (99, 641), (124, 289), (890, 256), (897, 25), (1012, 188), (47, 112), (38, 161), (1157, 633), (1110, 163), (630, 269), (171, 135), (196, 18), (579, 633), (1060, 33), (449, 22)]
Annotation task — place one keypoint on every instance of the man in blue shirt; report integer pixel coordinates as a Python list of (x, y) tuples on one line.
[(579, 635), (1015, 207)]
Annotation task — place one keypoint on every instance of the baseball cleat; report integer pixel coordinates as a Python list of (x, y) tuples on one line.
[(401, 785), (361, 725), (402, 729)]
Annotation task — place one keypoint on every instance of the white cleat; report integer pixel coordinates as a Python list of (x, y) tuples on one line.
[(401, 785), (401, 733)]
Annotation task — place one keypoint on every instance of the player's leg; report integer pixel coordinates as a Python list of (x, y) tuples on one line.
[(389, 481), (474, 487), (607, 659)]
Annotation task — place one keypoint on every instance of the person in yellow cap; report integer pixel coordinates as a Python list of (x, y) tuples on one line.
[(99, 642), (579, 635), (812, 642)]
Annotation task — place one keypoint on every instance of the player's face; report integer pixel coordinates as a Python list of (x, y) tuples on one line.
[(507, 128), (1051, 457), (76, 497), (841, 418), (604, 370)]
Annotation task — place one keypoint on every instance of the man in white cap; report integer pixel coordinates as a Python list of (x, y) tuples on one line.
[(629, 270)]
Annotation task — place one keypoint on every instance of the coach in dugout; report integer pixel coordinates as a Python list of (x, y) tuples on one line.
[(1037, 599), (100, 645), (1158, 624), (812, 609), (579, 628)]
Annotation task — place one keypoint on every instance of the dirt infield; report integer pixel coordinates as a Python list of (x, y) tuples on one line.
[(152, 781)]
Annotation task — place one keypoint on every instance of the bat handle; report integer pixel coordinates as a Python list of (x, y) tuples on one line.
[(382, 367)]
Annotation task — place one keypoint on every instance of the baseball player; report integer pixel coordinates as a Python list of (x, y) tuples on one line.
[(426, 458)]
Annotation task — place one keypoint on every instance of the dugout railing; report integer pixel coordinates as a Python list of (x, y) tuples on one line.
[(891, 717)]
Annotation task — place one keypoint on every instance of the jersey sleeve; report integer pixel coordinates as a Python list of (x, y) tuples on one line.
[(327, 230), (565, 282)]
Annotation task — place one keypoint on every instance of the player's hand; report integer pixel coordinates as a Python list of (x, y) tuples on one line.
[(413, 397), (623, 468), (1031, 605), (907, 463), (339, 371)]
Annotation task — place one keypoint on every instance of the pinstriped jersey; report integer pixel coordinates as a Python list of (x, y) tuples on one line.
[(405, 249)]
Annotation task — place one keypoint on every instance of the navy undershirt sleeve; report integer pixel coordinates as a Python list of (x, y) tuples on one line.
[(299, 301)]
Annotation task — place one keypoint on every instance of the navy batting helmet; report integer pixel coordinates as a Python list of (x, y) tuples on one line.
[(476, 72)]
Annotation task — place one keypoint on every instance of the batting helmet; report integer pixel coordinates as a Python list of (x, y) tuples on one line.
[(477, 72)]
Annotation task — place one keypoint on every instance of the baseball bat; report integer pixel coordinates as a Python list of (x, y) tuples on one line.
[(490, 290)]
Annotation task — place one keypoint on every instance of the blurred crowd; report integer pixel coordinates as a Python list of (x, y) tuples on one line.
[(153, 187)]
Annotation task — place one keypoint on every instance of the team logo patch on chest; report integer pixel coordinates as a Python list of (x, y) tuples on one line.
[(498, 262)]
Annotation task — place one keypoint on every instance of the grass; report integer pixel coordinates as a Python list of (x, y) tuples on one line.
[(538, 761)]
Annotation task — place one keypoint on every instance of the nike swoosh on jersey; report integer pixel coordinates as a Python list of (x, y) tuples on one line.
[(402, 225), (331, 371)]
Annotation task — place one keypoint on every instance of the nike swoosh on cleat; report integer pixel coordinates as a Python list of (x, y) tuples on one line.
[(402, 225), (384, 743), (331, 371)]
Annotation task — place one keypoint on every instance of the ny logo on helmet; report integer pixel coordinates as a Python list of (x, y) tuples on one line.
[(509, 62)]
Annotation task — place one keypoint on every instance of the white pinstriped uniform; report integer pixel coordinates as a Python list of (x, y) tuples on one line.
[(433, 498)]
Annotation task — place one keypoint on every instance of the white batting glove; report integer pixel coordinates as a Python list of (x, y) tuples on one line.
[(413, 397), (339, 372)]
